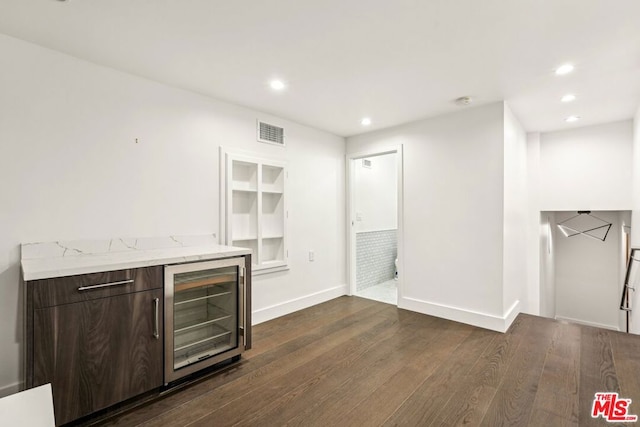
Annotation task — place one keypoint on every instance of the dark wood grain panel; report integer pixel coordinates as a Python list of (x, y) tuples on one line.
[(389, 396), (326, 388), (64, 290), (27, 333), (270, 335), (558, 387), (97, 353), (426, 403), (597, 372), (626, 357), (515, 395), (466, 402)]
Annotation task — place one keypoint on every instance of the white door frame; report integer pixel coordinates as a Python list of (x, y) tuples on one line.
[(351, 214)]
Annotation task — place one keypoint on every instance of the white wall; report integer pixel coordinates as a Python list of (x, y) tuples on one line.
[(547, 272), (588, 275), (71, 169), (516, 214), (635, 231), (587, 168), (453, 212), (376, 194), (635, 219), (534, 230)]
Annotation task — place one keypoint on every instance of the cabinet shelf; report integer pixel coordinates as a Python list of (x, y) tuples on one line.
[(179, 287), (272, 178), (186, 301), (273, 263), (244, 189), (269, 190), (245, 238), (257, 220), (245, 176), (189, 326), (220, 332)]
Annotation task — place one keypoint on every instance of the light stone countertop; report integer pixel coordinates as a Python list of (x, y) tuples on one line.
[(66, 258)]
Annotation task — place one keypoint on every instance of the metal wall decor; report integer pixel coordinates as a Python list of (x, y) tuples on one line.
[(585, 224)]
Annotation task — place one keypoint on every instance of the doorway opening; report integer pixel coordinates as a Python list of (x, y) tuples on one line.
[(582, 266), (375, 225)]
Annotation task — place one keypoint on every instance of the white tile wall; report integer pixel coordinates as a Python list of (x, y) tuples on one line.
[(376, 252)]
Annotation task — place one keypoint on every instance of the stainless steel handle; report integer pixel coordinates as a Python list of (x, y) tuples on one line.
[(105, 285), (156, 311), (243, 304)]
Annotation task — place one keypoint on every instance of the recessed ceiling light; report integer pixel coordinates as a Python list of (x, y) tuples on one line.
[(277, 84), (366, 121), (568, 98), (564, 69), (571, 119)]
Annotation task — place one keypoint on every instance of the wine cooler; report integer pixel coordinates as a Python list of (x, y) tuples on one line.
[(207, 314)]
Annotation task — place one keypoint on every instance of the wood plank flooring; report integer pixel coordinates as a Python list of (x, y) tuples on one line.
[(357, 362)]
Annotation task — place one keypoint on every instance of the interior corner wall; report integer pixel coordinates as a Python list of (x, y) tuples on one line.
[(534, 231), (587, 168), (516, 215), (72, 169), (453, 212)]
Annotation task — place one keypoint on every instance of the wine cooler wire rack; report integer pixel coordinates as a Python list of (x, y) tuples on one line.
[(217, 337)]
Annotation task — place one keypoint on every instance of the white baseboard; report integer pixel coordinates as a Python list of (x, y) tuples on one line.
[(457, 314), (511, 314), (278, 310), (10, 389), (587, 323)]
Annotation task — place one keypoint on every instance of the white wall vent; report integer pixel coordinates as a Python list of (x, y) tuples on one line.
[(366, 163), (270, 134)]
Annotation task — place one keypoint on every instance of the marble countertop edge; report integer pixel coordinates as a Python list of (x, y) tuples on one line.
[(47, 268)]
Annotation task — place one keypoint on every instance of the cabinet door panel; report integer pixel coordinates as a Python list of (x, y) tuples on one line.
[(97, 353)]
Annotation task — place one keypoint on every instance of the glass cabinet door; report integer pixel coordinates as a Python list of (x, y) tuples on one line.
[(204, 314)]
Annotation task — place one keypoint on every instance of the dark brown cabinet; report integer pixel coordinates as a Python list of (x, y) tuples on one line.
[(97, 338)]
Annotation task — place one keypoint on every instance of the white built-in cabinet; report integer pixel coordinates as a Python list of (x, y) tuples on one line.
[(256, 210)]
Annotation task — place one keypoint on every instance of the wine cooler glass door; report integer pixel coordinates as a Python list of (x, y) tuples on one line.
[(205, 312)]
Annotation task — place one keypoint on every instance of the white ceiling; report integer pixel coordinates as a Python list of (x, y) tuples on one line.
[(395, 61)]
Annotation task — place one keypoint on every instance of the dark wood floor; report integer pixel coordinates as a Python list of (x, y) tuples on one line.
[(356, 362)]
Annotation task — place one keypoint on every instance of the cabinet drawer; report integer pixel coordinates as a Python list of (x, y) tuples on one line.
[(85, 287)]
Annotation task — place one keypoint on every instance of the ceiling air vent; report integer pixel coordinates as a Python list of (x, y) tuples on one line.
[(270, 134)]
